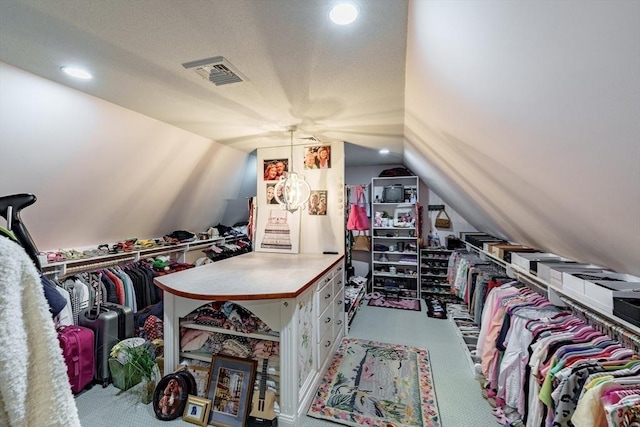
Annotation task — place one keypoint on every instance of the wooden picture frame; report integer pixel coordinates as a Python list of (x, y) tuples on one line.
[(231, 381), (196, 411), (201, 376)]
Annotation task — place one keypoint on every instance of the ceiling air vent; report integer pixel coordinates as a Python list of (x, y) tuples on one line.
[(217, 70), (309, 138)]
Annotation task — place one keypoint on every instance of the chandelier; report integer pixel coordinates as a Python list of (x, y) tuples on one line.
[(293, 188)]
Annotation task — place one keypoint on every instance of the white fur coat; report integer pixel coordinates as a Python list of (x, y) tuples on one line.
[(34, 389)]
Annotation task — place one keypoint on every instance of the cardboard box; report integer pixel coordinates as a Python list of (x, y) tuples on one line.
[(504, 251), (529, 261), (490, 244)]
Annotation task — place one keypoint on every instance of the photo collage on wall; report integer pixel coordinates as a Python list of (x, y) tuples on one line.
[(317, 157), (277, 229)]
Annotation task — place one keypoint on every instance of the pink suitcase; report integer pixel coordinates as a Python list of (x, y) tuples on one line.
[(77, 343)]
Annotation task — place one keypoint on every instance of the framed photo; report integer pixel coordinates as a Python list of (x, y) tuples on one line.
[(170, 397), (317, 204), (404, 217), (231, 382), (275, 168), (271, 193), (317, 157), (201, 376), (197, 410)]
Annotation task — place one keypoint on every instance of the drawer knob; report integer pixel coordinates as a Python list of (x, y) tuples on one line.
[(327, 344), (340, 302), (327, 320), (327, 296), (339, 322)]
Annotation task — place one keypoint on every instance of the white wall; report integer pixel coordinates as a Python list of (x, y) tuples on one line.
[(102, 173), (458, 223), (523, 116), (318, 233)]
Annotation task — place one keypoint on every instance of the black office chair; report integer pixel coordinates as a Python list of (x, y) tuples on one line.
[(10, 207)]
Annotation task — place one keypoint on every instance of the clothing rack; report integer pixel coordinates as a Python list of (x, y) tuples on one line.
[(618, 330), (92, 266), (484, 256), (531, 284), (614, 330), (81, 265)]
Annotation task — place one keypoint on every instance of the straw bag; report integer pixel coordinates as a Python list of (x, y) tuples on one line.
[(358, 219), (361, 242), (443, 222)]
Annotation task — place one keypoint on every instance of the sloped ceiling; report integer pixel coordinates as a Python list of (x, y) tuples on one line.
[(524, 116), (335, 82)]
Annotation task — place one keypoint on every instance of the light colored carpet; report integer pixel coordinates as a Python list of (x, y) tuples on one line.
[(458, 393)]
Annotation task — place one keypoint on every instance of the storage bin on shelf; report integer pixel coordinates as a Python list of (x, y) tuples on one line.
[(529, 261), (551, 272), (627, 309), (599, 289)]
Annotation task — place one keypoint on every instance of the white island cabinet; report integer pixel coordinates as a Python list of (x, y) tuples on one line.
[(300, 297)]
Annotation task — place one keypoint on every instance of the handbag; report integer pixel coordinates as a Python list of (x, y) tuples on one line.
[(361, 242), (358, 219), (443, 222)]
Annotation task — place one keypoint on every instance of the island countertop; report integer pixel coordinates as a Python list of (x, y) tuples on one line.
[(252, 276)]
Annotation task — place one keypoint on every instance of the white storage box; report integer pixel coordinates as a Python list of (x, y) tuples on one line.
[(601, 293), (544, 268), (556, 274), (585, 286), (529, 261)]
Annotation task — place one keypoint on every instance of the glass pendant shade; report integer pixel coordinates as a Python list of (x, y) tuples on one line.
[(294, 191)]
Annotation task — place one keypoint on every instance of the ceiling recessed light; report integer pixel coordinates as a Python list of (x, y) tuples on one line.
[(343, 13), (78, 73), (384, 151)]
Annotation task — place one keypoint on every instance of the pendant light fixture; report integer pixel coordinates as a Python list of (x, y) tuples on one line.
[(293, 188)]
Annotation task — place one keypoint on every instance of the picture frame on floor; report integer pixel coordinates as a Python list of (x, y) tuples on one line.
[(231, 381), (201, 376), (170, 397), (197, 410)]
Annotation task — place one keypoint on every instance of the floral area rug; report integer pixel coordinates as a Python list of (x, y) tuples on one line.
[(370, 383), (400, 303)]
